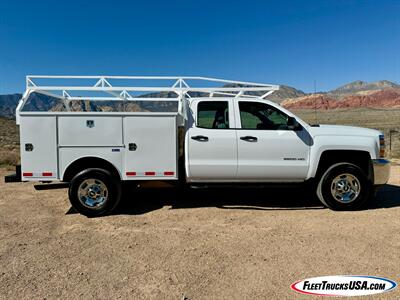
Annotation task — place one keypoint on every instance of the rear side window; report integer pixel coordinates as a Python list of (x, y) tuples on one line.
[(213, 114)]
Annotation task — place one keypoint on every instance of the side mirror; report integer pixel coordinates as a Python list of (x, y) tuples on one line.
[(293, 124)]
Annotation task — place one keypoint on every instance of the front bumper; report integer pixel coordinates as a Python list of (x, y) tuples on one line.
[(381, 171)]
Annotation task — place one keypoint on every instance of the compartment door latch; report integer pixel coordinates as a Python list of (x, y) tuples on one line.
[(90, 123), (28, 147), (132, 147)]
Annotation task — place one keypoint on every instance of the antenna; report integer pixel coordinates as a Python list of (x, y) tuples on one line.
[(315, 101)]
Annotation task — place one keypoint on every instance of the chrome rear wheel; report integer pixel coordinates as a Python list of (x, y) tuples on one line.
[(92, 193)]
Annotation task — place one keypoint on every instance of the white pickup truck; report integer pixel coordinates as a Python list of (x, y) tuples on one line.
[(187, 130)]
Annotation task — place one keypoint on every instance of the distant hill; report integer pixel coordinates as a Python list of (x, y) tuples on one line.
[(285, 92), (8, 104), (382, 93), (388, 98), (362, 86)]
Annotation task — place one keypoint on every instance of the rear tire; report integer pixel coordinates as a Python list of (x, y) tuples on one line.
[(344, 186), (94, 192)]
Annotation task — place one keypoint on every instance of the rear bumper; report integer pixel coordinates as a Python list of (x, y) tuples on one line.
[(381, 171)]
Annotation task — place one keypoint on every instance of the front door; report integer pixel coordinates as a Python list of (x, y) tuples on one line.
[(211, 143), (267, 149)]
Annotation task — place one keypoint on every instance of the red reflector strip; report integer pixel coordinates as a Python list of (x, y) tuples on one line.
[(47, 174), (151, 173), (27, 174)]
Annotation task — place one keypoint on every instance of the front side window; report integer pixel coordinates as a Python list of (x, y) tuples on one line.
[(213, 114), (257, 115)]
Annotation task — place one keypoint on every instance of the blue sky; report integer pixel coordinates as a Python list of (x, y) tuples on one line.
[(282, 42)]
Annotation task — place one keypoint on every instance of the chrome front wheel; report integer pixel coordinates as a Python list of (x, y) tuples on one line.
[(345, 188)]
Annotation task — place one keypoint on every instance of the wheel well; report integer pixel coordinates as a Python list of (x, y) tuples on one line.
[(359, 158), (89, 162)]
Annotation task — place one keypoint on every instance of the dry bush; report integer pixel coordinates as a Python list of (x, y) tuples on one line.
[(9, 134), (9, 158), (394, 146)]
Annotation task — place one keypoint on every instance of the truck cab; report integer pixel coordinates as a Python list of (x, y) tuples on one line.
[(245, 140)]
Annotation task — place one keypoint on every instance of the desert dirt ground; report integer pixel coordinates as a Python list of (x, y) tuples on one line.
[(168, 244)]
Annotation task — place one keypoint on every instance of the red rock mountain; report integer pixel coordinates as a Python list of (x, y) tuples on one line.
[(381, 94)]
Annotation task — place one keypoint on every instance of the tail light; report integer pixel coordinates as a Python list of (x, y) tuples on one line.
[(382, 146)]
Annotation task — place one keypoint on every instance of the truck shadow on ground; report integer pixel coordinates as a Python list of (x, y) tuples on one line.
[(143, 201), (136, 202), (388, 196)]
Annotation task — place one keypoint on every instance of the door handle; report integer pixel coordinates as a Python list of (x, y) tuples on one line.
[(200, 138), (249, 138)]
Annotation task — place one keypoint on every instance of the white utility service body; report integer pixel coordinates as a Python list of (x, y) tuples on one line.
[(60, 139), (221, 134)]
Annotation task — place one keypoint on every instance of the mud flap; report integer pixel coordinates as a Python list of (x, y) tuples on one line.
[(16, 177)]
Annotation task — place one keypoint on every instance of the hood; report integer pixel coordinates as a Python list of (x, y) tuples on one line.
[(343, 131)]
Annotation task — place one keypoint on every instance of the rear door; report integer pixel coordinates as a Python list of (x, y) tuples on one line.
[(211, 142)]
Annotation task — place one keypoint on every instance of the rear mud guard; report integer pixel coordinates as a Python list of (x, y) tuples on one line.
[(16, 177)]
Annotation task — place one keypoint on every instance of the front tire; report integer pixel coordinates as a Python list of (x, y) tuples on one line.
[(94, 192), (344, 186)]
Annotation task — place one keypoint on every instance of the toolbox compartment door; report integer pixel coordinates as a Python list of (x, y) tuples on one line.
[(93, 131), (38, 148), (150, 147)]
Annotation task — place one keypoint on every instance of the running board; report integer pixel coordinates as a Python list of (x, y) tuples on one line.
[(248, 185), (52, 186)]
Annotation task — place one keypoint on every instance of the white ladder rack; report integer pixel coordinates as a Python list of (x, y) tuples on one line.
[(132, 88)]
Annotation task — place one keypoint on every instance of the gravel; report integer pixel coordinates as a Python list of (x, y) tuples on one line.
[(167, 244)]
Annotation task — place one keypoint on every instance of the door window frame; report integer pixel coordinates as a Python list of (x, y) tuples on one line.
[(231, 113), (239, 118)]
